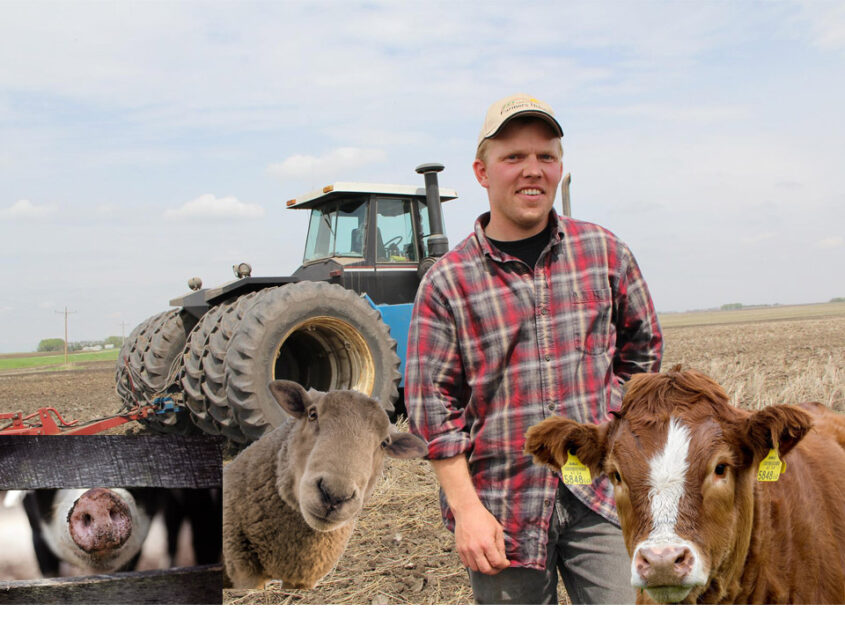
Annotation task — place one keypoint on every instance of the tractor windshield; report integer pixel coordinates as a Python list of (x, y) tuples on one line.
[(337, 230)]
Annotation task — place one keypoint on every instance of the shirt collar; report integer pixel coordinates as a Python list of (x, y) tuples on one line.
[(556, 234)]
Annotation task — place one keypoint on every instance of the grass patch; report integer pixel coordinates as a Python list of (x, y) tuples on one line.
[(40, 361), (749, 315)]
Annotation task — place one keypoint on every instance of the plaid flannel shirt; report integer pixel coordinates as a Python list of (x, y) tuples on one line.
[(495, 347)]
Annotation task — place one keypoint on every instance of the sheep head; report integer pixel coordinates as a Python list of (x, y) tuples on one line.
[(336, 451)]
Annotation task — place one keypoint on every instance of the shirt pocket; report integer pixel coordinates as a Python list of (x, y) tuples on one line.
[(594, 308)]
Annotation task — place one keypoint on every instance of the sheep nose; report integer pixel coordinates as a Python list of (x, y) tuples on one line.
[(664, 566), (331, 497)]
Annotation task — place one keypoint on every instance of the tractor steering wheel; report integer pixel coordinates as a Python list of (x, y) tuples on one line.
[(391, 242)]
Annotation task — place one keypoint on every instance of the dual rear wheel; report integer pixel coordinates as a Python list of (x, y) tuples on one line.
[(320, 335)]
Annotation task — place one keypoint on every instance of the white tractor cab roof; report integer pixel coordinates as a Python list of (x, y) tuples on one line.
[(318, 197)]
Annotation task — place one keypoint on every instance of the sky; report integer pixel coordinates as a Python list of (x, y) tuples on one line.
[(145, 143)]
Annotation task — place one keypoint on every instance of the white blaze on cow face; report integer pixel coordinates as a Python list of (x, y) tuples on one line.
[(667, 475), (665, 564)]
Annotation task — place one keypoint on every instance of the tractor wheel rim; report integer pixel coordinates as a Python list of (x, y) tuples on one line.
[(325, 353)]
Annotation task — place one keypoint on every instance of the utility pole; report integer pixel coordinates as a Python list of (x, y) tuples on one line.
[(66, 314)]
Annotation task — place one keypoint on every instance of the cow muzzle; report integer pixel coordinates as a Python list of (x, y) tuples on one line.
[(667, 571)]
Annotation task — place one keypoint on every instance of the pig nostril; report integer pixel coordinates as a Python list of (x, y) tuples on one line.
[(86, 520)]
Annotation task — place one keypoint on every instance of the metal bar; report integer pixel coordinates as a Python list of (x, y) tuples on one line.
[(52, 423)]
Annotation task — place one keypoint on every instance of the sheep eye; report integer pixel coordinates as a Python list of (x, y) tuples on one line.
[(720, 469)]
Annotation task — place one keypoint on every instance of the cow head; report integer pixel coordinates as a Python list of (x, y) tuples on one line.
[(683, 464)]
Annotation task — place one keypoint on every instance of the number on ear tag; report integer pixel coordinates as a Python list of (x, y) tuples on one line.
[(771, 467), (574, 471)]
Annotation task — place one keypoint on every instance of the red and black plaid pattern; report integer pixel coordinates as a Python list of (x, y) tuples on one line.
[(495, 347)]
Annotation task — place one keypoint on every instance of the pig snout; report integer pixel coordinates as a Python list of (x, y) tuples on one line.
[(100, 521)]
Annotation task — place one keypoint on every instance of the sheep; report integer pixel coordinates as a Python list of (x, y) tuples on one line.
[(291, 499)]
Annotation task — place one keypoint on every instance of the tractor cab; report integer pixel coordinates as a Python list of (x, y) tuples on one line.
[(372, 238)]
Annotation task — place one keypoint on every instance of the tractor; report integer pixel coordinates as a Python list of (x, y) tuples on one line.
[(340, 321)]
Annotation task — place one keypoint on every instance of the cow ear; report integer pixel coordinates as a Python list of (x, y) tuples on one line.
[(292, 397), (550, 440), (784, 424)]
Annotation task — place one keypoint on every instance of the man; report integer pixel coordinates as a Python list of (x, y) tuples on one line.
[(532, 315)]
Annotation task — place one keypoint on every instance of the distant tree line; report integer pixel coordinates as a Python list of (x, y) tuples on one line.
[(58, 345)]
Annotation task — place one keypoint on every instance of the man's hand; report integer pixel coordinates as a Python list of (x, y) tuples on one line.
[(480, 541), (479, 537)]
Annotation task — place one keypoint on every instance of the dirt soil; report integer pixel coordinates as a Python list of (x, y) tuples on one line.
[(400, 551), (83, 393)]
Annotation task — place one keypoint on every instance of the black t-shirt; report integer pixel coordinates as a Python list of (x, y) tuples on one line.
[(528, 249)]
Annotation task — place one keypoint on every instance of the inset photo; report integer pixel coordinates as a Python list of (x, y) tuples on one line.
[(110, 520)]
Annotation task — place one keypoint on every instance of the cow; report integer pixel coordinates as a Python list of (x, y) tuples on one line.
[(698, 522)]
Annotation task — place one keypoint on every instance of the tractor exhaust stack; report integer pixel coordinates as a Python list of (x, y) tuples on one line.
[(438, 244)]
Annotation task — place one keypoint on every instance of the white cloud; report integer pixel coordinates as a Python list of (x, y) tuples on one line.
[(828, 24), (209, 207), (25, 209), (666, 112), (762, 237), (832, 242), (339, 161)]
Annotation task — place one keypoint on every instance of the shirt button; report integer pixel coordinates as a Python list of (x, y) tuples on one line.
[(548, 357), (544, 311), (552, 406), (546, 503)]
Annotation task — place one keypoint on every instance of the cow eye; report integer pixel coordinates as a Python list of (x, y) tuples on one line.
[(617, 479), (720, 469), (385, 442), (312, 414)]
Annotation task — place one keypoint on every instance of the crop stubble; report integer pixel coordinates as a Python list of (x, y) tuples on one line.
[(400, 552)]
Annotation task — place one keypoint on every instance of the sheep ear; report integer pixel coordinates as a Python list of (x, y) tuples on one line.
[(404, 446), (292, 397)]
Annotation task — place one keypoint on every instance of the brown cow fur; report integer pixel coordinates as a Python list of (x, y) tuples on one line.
[(767, 542)]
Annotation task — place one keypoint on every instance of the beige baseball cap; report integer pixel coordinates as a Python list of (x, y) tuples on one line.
[(519, 105)]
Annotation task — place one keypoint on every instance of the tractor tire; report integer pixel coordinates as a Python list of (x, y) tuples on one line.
[(127, 387), (317, 334), (152, 357), (193, 374), (214, 366)]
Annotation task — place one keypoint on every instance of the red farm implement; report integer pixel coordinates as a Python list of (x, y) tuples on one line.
[(48, 421)]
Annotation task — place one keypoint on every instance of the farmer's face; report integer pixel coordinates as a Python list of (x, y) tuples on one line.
[(521, 172)]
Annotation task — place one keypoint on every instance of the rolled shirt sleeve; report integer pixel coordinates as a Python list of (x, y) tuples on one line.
[(435, 377)]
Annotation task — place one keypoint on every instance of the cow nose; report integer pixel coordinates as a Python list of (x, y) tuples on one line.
[(664, 565), (331, 496), (100, 521)]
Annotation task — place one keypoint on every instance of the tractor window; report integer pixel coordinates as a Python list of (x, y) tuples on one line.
[(337, 230), (425, 229), (395, 231)]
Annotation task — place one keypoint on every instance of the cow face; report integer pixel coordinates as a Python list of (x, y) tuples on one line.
[(683, 464)]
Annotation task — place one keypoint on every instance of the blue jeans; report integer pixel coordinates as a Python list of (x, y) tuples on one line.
[(585, 548)]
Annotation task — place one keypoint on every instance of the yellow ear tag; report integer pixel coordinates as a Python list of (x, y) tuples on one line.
[(771, 467), (574, 471)]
